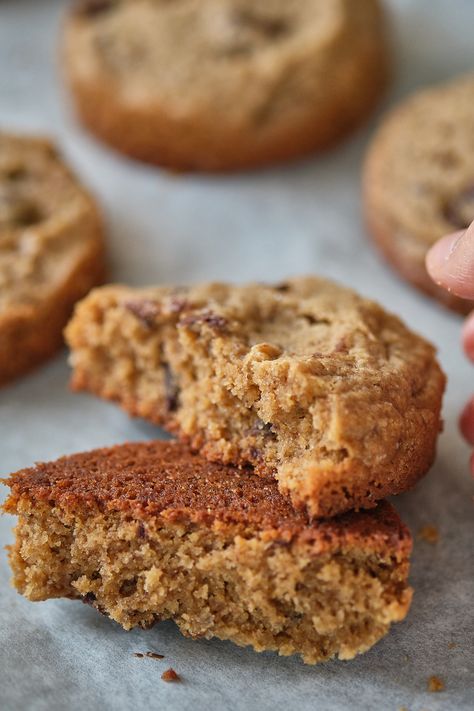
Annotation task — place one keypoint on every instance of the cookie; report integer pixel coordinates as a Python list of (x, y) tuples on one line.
[(51, 251), (224, 84), (419, 180), (149, 532), (305, 380)]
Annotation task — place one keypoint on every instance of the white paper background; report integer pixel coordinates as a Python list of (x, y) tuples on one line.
[(267, 225)]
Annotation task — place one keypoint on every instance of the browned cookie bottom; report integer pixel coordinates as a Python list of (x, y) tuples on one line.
[(148, 532)]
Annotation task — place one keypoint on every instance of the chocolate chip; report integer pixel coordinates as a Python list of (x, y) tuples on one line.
[(313, 320), (90, 8), (459, 210), (15, 173), (255, 454), (128, 587), (141, 530), (261, 428), (16, 210), (177, 304), (145, 310), (207, 318), (89, 598), (282, 288), (171, 389), (270, 28), (148, 625)]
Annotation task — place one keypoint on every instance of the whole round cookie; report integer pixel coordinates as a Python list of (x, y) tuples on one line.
[(419, 180), (224, 84), (51, 251)]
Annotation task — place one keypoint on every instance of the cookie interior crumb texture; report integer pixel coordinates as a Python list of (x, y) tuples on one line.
[(419, 179), (304, 379), (200, 84), (51, 251), (148, 532)]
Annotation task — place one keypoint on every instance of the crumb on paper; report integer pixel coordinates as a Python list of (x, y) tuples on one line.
[(452, 645), (429, 533), (170, 675), (435, 684), (150, 655)]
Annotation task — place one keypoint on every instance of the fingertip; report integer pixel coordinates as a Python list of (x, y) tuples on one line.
[(450, 263), (437, 257), (467, 336), (466, 422)]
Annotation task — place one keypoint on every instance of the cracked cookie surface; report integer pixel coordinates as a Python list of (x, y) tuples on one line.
[(419, 180), (224, 84), (51, 251), (304, 379), (148, 532)]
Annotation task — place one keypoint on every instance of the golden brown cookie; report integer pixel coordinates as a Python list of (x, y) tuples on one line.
[(304, 379), (419, 180), (51, 251), (224, 84), (149, 532)]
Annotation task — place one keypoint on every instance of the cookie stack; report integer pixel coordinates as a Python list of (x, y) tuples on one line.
[(297, 407)]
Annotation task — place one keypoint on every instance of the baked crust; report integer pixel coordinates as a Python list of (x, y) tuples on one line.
[(153, 531), (305, 380), (51, 251), (419, 181), (243, 85)]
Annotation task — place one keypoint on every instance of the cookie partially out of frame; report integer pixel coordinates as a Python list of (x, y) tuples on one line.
[(305, 380), (149, 532), (419, 180), (224, 84), (51, 251)]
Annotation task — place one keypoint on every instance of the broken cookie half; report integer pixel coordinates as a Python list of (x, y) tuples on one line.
[(304, 380), (148, 532)]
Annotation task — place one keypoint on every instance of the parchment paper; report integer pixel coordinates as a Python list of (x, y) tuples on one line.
[(267, 225)]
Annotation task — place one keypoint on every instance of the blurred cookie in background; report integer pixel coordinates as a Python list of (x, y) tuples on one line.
[(51, 251), (228, 84), (419, 180)]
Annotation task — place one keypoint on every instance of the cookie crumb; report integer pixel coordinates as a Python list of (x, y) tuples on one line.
[(452, 645), (429, 533), (170, 675), (138, 654), (154, 655), (435, 684)]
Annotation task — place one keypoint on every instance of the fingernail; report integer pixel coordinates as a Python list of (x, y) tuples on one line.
[(439, 255)]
